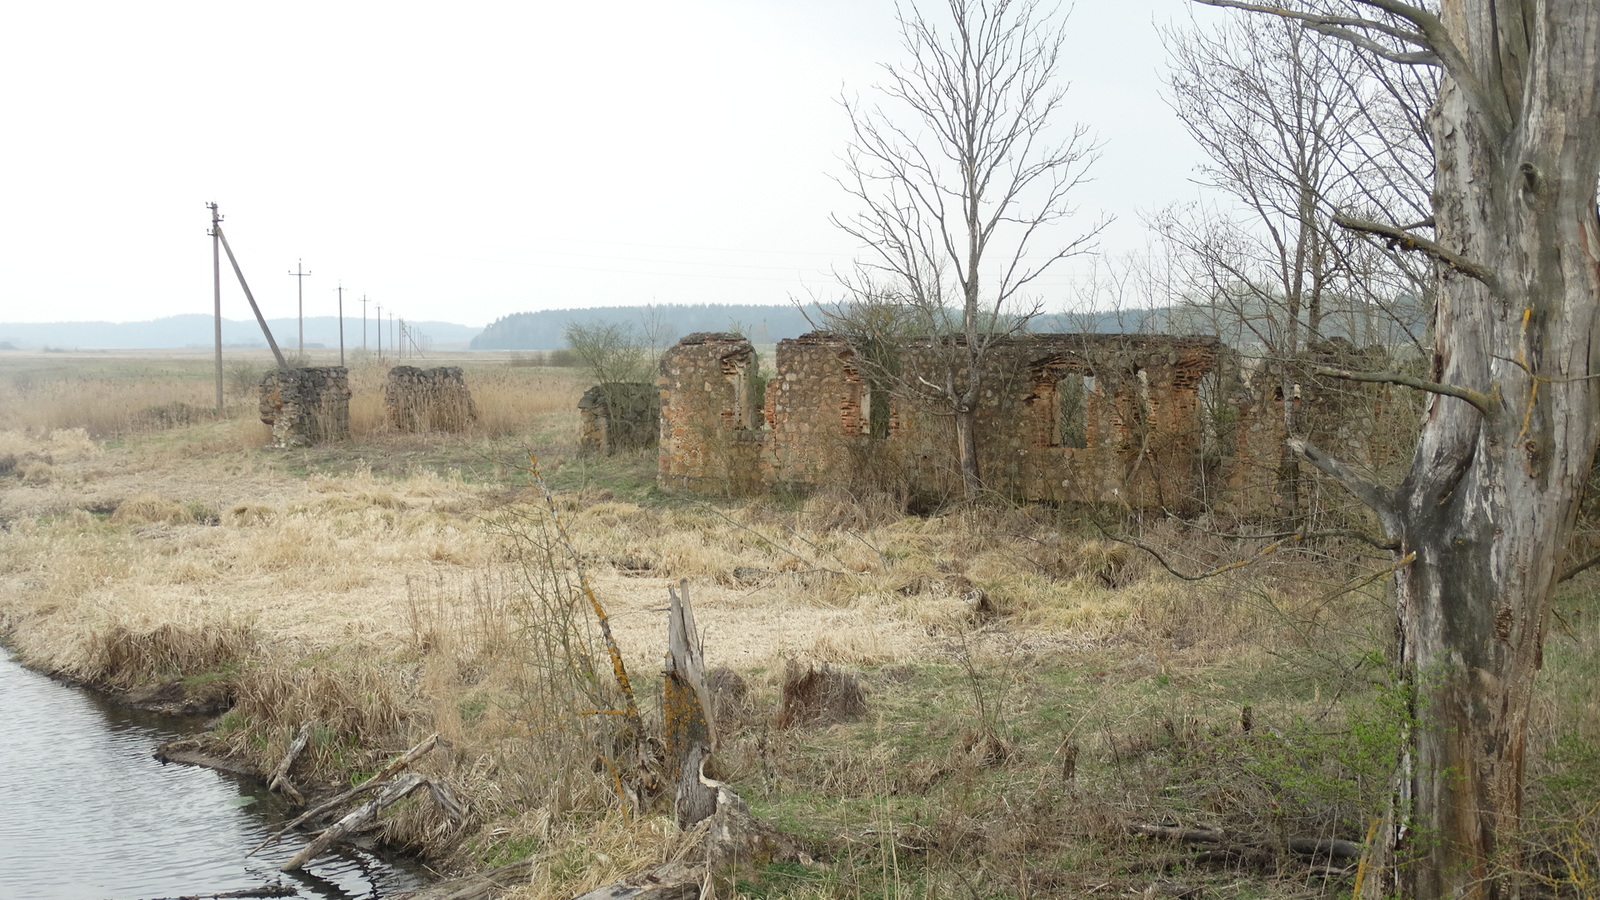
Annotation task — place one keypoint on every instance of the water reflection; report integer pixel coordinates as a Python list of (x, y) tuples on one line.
[(87, 814)]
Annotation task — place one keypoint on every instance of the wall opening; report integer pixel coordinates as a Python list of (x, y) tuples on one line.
[(1073, 393), (877, 413), (736, 369)]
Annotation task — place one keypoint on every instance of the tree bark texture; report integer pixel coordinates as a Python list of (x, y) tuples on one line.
[(1490, 500)]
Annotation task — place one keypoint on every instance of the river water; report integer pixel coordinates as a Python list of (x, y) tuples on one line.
[(86, 813)]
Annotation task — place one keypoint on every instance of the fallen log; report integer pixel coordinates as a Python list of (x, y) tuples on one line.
[(1323, 849), (279, 780), (361, 815), (389, 771)]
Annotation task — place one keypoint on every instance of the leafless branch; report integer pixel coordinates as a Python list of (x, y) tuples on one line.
[(1376, 498), (1575, 570), (1483, 402), (1408, 241)]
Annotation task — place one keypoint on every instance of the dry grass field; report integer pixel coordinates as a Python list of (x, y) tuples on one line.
[(1033, 689)]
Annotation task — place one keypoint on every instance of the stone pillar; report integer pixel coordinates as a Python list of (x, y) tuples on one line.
[(428, 399), (306, 406), (619, 415)]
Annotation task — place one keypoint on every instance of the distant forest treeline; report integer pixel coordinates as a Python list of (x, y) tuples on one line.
[(542, 330), (761, 324)]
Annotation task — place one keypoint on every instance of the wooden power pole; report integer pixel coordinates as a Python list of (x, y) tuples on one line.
[(341, 323), (216, 292), (300, 296)]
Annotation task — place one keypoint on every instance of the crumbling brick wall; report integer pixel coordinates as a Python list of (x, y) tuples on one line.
[(428, 399), (713, 436), (306, 406), (819, 406), (1075, 418), (617, 416), (1087, 418)]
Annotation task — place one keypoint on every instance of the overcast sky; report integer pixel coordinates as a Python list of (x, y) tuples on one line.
[(465, 161)]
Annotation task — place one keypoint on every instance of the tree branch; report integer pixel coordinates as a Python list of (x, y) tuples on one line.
[(1430, 37), (1417, 58), (1219, 570), (1484, 403), (1574, 571), (1405, 240), (1378, 499)]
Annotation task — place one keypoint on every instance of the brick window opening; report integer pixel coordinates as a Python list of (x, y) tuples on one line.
[(1073, 393)]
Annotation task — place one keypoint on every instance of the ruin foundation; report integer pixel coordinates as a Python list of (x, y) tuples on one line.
[(306, 406), (428, 399), (619, 416)]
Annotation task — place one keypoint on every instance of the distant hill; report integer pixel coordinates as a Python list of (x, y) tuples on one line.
[(196, 330), (542, 330)]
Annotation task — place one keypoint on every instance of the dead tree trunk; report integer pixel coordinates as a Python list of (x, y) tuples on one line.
[(1489, 505), (685, 712), (1485, 514)]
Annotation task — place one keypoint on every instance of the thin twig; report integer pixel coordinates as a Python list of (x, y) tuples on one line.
[(618, 668)]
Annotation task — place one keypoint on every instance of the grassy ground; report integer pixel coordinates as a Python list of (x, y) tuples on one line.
[(1032, 689)]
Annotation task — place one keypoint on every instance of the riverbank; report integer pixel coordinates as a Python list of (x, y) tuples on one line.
[(86, 812), (1030, 691)]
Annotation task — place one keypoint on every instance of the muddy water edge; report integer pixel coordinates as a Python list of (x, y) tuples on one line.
[(88, 813)]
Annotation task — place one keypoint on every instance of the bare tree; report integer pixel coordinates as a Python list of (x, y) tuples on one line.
[(1509, 433), (962, 175), (1290, 135)]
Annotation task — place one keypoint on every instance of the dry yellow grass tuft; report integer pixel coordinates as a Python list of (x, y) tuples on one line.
[(147, 508)]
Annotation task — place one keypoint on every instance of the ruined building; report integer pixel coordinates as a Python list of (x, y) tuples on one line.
[(306, 406), (618, 416), (1085, 417), (427, 399)]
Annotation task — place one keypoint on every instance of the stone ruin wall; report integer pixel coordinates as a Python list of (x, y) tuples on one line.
[(713, 439), (306, 406), (1137, 420), (619, 416), (428, 399), (817, 410), (1366, 425), (1137, 437)]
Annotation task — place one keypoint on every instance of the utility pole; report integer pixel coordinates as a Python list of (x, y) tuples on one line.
[(363, 323), (380, 331), (216, 292), (341, 323), (300, 292)]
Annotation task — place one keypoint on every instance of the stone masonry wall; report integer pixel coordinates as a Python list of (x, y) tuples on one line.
[(713, 438), (428, 399), (1086, 418), (1363, 424), (306, 406), (1127, 430), (617, 416), (817, 409)]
